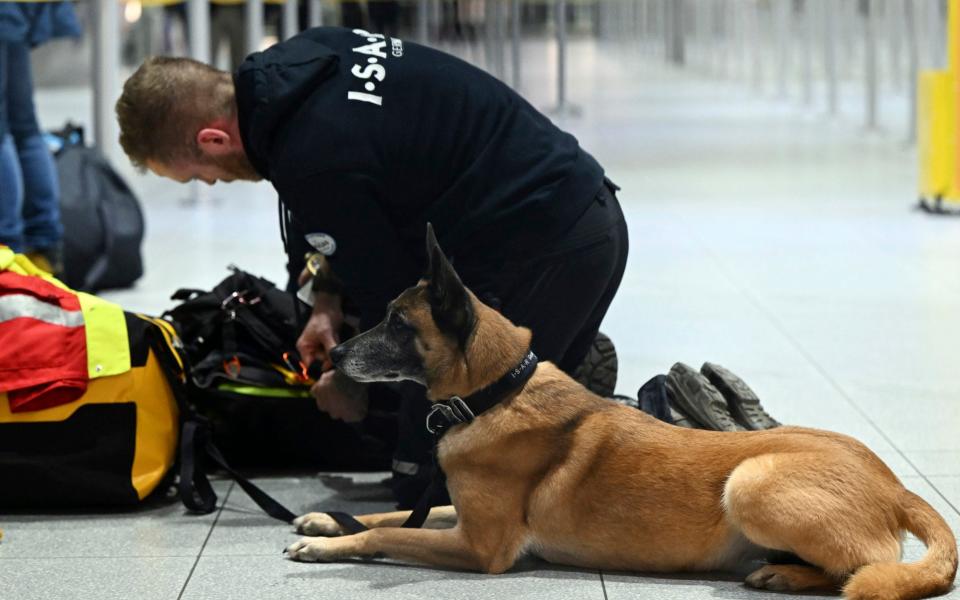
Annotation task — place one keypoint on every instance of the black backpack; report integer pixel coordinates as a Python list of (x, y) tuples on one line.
[(246, 378), (102, 220)]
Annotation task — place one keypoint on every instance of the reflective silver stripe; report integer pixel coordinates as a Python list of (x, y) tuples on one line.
[(405, 468), (15, 306)]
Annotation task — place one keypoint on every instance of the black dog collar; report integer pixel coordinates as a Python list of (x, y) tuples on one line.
[(457, 410)]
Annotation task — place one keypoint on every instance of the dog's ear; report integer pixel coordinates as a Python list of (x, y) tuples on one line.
[(431, 244), (449, 301)]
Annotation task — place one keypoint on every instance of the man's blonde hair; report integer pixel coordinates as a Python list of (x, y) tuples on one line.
[(165, 103)]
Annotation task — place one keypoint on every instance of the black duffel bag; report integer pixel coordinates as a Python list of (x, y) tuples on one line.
[(102, 220), (247, 379)]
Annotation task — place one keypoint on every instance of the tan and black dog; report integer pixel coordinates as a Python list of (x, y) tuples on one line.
[(555, 471)]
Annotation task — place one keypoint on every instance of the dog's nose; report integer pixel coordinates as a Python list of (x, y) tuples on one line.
[(337, 354)]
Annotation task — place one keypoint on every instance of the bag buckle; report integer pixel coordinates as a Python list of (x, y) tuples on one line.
[(238, 296)]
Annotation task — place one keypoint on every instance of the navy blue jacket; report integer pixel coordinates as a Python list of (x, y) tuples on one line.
[(368, 138)]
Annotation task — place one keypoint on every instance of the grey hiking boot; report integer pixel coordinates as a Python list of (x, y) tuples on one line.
[(598, 371), (744, 404), (682, 420), (692, 395)]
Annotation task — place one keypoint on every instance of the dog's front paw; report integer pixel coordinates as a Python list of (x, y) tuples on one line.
[(310, 550), (317, 523)]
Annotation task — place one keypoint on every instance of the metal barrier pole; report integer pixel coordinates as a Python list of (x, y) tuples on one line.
[(895, 32), (198, 27), (756, 44), (830, 55), (636, 24), (870, 62), (500, 26), (674, 32), (934, 33), (718, 37), (423, 22), (782, 25), (641, 26), (745, 54), (563, 109), (291, 25), (806, 60), (106, 66), (734, 38), (488, 31), (314, 13), (694, 40), (515, 31), (254, 24), (560, 6), (913, 69)]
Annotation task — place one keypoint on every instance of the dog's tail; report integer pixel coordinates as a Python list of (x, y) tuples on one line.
[(931, 575)]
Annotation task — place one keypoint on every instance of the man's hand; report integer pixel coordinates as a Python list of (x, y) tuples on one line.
[(340, 398), (321, 333)]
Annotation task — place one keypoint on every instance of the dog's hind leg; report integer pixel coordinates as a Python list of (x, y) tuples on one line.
[(793, 578), (318, 523), (828, 513)]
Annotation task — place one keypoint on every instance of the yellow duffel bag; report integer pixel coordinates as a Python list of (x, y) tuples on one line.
[(116, 442)]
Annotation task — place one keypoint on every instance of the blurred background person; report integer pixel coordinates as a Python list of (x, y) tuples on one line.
[(29, 191)]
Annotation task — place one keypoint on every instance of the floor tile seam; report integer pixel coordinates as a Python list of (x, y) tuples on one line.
[(203, 546), (831, 381), (241, 555), (103, 557), (603, 586)]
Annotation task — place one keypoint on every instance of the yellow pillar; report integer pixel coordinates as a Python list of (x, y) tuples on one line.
[(938, 127), (953, 69)]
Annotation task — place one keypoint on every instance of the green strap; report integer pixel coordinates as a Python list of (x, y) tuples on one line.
[(268, 392)]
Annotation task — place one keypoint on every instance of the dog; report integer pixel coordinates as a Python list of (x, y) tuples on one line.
[(556, 471)]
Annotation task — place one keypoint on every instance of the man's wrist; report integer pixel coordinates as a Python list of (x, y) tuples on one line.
[(326, 302)]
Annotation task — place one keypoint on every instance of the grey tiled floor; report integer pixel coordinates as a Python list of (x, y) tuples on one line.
[(763, 236)]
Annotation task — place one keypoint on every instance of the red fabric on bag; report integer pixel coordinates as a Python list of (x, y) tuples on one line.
[(46, 395), (43, 361)]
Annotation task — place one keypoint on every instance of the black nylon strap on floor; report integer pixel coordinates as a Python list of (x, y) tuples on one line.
[(197, 494), (263, 500), (418, 516), (347, 522)]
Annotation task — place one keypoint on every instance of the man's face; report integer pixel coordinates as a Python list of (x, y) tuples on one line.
[(209, 169)]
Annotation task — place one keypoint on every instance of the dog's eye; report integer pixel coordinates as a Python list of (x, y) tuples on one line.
[(395, 321)]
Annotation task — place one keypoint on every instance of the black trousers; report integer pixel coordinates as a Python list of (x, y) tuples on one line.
[(561, 294)]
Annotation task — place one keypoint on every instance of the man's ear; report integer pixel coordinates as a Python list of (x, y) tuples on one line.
[(213, 141), (449, 300)]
